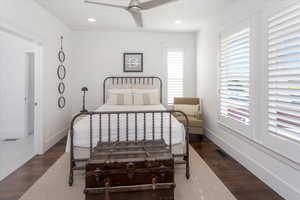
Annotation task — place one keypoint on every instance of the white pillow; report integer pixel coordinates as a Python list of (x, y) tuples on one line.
[(120, 97), (120, 91), (146, 97), (138, 99), (191, 110)]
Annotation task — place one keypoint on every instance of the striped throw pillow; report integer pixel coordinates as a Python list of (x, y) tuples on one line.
[(146, 97), (120, 97)]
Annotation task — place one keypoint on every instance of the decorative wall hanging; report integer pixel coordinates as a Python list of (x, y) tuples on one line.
[(61, 88), (61, 74), (61, 56), (61, 102), (133, 62)]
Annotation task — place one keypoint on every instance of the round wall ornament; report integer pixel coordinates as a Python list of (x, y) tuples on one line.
[(61, 102), (61, 88), (61, 72), (61, 56)]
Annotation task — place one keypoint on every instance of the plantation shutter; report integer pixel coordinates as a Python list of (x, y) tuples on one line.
[(284, 73), (175, 59), (235, 76)]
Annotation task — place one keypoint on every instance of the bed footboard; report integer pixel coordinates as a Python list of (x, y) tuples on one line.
[(139, 134)]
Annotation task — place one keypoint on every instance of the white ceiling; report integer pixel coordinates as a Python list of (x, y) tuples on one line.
[(192, 13)]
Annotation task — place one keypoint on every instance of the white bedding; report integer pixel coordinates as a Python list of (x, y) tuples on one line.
[(82, 127)]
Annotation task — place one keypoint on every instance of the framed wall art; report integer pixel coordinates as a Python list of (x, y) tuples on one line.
[(133, 62)]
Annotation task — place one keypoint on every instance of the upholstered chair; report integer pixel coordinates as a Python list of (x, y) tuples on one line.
[(192, 108)]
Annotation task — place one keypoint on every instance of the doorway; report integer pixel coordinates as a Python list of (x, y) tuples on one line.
[(20, 122), (29, 93)]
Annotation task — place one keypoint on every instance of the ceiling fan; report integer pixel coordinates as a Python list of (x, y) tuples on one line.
[(135, 7)]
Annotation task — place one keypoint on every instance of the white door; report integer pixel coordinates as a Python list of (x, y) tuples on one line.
[(13, 62)]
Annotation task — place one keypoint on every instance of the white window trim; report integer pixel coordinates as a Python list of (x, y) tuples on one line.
[(278, 143), (278, 146), (235, 125), (167, 72)]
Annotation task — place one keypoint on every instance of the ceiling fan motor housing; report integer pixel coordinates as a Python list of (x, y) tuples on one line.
[(134, 5)]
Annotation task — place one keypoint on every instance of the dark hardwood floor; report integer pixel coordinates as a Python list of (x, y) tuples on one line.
[(15, 185), (243, 184)]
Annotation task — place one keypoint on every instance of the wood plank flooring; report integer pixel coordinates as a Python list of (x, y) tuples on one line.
[(16, 184), (243, 184)]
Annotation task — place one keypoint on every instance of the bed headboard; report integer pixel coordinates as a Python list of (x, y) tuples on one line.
[(131, 82)]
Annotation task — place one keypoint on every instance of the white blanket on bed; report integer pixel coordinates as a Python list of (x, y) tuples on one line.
[(82, 127)]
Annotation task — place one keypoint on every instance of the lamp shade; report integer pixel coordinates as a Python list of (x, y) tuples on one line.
[(84, 89)]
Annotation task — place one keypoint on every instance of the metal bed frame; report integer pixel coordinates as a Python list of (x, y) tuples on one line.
[(129, 80)]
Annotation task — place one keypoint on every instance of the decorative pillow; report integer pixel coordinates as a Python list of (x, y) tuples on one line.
[(119, 97), (120, 91), (138, 99), (146, 97), (190, 110)]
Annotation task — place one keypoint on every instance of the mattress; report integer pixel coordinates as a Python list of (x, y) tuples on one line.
[(81, 137)]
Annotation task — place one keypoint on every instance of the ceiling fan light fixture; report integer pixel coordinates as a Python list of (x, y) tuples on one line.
[(92, 20), (177, 22), (135, 9)]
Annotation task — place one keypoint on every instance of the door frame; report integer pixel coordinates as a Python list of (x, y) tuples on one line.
[(9, 28), (38, 101)]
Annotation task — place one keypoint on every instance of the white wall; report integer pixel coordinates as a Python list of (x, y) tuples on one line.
[(100, 54), (28, 17), (277, 170)]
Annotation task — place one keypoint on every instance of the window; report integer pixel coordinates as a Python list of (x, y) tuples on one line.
[(284, 73), (235, 76), (175, 61)]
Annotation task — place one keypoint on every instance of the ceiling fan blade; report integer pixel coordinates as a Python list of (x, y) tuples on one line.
[(105, 4), (154, 3), (137, 16)]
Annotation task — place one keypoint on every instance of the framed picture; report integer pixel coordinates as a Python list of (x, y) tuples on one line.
[(133, 62)]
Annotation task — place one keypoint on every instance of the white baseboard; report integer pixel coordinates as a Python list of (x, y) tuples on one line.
[(273, 181), (12, 135), (54, 139)]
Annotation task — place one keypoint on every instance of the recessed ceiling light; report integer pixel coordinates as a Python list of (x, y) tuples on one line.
[(178, 22), (91, 19)]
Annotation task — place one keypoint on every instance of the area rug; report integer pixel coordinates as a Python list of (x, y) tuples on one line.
[(203, 184)]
